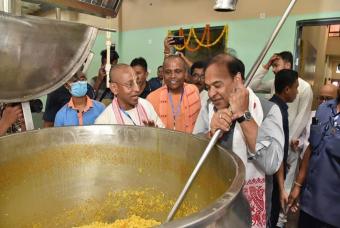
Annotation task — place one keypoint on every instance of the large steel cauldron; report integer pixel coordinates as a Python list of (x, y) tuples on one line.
[(63, 177), (39, 55)]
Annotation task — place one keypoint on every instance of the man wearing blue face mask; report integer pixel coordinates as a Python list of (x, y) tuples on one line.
[(80, 110)]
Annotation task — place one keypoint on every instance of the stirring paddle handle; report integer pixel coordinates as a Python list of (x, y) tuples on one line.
[(194, 174)]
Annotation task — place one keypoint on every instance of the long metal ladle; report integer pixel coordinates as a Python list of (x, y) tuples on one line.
[(215, 137)]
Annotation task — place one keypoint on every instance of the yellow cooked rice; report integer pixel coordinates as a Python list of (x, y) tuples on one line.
[(131, 222)]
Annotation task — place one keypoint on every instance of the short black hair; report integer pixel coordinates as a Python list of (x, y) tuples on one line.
[(113, 55), (284, 78), (230, 62), (198, 65), (287, 57), (139, 62)]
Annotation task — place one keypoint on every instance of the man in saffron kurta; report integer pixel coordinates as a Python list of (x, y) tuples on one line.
[(177, 103)]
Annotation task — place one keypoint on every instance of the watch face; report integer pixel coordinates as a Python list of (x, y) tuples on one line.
[(247, 115)]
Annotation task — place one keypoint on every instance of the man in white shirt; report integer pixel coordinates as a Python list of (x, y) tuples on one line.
[(297, 110), (224, 80), (127, 108), (301, 106)]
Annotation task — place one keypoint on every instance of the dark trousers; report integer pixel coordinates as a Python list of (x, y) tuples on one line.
[(276, 206), (308, 221)]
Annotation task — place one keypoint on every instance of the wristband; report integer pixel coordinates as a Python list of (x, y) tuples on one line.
[(297, 184)]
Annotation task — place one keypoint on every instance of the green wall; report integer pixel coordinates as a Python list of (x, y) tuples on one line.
[(247, 37)]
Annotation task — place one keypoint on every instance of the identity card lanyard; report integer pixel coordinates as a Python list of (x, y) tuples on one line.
[(178, 109), (128, 116)]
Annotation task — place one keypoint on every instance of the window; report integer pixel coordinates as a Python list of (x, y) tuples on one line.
[(334, 31)]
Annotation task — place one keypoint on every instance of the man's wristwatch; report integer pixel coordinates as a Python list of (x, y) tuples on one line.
[(246, 116)]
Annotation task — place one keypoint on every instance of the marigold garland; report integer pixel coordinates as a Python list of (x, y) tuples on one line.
[(200, 42)]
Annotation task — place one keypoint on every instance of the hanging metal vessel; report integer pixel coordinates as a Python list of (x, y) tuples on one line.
[(225, 5), (38, 55), (64, 177)]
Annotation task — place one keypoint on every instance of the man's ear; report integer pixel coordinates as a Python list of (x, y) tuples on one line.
[(67, 86), (114, 88), (286, 89), (238, 78), (287, 65)]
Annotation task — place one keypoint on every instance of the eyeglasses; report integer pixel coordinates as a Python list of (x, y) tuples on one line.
[(128, 85), (199, 76), (325, 98)]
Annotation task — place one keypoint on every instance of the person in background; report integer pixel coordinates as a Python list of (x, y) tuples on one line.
[(318, 178), (189, 64), (197, 74), (81, 109), (56, 100), (177, 103), (156, 83), (99, 82), (327, 92), (140, 66), (279, 61), (127, 107), (9, 116), (169, 49), (286, 89), (297, 111), (197, 71)]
